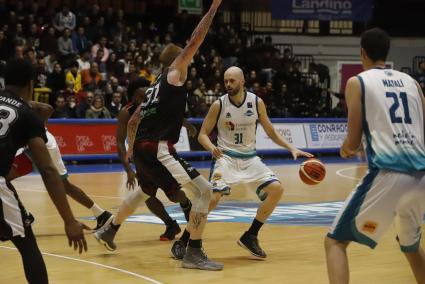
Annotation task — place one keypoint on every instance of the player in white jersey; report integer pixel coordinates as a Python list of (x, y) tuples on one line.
[(236, 115), (387, 108)]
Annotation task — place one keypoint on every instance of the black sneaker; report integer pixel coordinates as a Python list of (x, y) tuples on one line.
[(103, 220), (106, 236), (186, 210), (250, 242), (178, 250), (170, 232)]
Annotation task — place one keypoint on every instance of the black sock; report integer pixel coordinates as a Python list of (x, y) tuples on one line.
[(169, 222), (255, 227), (195, 243), (185, 237), (115, 227)]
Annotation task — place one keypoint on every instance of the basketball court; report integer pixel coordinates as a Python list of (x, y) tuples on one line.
[(293, 239)]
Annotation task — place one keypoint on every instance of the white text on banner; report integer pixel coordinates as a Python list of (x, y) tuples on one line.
[(293, 133), (325, 135)]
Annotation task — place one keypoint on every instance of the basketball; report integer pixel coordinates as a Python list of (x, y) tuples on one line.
[(312, 171)]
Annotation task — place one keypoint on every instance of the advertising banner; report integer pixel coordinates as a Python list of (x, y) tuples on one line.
[(293, 133), (324, 10), (325, 135)]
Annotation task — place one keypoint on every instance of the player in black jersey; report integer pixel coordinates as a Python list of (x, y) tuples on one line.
[(162, 114), (136, 94), (20, 126)]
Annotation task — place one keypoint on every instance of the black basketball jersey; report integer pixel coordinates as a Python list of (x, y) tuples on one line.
[(163, 111), (18, 124)]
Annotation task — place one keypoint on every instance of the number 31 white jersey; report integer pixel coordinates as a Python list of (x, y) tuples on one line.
[(393, 121), (237, 126)]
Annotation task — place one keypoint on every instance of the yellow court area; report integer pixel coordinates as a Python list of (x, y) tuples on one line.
[(295, 252)]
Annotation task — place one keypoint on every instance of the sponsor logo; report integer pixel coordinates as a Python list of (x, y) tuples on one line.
[(249, 113), (108, 142), (228, 115), (60, 141), (369, 227), (83, 142), (230, 125), (249, 104), (332, 7), (314, 133)]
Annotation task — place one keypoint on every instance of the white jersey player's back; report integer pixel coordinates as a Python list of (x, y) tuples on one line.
[(393, 121), (237, 126)]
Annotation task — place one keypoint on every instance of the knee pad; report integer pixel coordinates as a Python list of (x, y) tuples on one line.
[(135, 198), (202, 192)]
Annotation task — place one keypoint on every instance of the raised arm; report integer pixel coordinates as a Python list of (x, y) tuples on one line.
[(207, 126), (178, 69)]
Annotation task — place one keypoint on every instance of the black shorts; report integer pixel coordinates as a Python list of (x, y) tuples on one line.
[(14, 219), (159, 166)]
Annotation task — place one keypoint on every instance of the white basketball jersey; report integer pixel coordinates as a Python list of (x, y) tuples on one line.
[(393, 121), (237, 126)]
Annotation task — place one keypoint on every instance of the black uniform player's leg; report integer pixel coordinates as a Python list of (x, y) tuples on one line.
[(34, 266)]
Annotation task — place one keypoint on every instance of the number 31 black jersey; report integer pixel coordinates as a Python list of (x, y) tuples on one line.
[(162, 111), (18, 124)]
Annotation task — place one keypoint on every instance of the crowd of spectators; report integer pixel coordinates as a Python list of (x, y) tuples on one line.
[(85, 58)]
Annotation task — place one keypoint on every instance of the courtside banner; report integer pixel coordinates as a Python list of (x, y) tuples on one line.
[(93, 136), (293, 133), (353, 10), (325, 135)]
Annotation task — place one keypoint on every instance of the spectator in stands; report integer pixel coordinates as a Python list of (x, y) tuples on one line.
[(98, 59), (110, 65), (90, 78), (420, 75), (60, 108), (84, 61), (65, 48), (128, 58), (41, 74), (101, 45), (48, 41), (64, 20), (19, 35), (6, 46), (98, 109), (33, 38), (74, 76), (84, 104), (116, 104), (56, 79), (71, 106), (252, 78), (80, 42), (19, 51)]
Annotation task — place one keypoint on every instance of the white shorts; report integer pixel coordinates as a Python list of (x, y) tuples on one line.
[(379, 199), (55, 155), (228, 171)]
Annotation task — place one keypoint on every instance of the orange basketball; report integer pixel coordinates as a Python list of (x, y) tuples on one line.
[(312, 171)]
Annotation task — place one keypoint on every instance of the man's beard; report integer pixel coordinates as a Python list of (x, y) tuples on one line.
[(234, 91)]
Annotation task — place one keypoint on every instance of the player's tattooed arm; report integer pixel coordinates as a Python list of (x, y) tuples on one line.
[(132, 126)]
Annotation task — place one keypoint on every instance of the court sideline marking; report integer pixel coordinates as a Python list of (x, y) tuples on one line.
[(339, 172), (96, 264)]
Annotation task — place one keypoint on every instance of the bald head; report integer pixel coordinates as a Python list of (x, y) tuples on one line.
[(234, 80)]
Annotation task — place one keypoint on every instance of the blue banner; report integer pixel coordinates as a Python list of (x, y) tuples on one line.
[(325, 10)]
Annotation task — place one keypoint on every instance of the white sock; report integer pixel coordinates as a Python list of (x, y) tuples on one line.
[(97, 211)]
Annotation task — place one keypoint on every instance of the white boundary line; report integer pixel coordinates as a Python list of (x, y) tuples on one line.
[(339, 172), (96, 264)]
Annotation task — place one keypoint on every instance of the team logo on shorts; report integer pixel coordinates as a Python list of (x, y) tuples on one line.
[(230, 125), (369, 227)]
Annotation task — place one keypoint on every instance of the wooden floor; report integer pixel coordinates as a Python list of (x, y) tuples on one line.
[(295, 253)]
